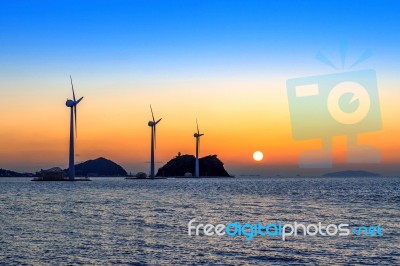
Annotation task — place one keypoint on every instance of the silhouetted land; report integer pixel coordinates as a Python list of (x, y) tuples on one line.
[(99, 167), (210, 166), (9, 173), (351, 173)]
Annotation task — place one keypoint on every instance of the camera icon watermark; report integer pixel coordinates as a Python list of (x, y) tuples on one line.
[(339, 104)]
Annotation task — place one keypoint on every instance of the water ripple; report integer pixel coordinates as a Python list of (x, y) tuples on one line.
[(129, 222)]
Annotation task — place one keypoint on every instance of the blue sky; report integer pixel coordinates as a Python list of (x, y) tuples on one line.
[(190, 37)]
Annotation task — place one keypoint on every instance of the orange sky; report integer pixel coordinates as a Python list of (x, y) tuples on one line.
[(237, 116)]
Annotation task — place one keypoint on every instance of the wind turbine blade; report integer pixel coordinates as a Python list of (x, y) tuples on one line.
[(79, 100), (76, 127), (199, 144), (158, 121), (198, 132), (152, 114), (72, 85)]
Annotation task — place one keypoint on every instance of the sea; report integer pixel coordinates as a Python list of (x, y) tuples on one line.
[(113, 221)]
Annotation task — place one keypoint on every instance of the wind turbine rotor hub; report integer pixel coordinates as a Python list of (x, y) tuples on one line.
[(70, 103), (151, 123)]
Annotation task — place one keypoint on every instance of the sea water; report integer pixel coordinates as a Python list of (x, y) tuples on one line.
[(145, 222)]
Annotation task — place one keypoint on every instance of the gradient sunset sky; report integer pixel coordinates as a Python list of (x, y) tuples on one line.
[(223, 62)]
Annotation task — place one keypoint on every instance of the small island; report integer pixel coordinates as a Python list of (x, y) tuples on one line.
[(184, 166), (100, 167)]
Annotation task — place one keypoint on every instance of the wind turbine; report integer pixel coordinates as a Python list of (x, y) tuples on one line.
[(72, 104), (197, 136), (153, 125)]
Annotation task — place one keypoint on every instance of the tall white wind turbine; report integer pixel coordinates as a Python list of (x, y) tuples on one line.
[(197, 136), (153, 125), (72, 104)]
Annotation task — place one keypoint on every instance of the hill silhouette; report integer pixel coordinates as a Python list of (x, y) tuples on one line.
[(9, 173), (99, 167), (180, 165)]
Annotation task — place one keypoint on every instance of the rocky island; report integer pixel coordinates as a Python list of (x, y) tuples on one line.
[(184, 166)]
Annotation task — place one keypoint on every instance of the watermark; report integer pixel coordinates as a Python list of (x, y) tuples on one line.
[(280, 229), (338, 104)]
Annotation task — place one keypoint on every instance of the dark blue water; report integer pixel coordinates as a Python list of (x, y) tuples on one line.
[(117, 221)]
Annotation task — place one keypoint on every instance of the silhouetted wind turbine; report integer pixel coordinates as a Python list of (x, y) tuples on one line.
[(197, 136), (72, 104), (153, 125)]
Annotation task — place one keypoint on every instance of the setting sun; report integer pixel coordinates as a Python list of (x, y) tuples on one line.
[(258, 156)]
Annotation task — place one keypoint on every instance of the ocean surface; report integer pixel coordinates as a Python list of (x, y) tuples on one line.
[(145, 222)]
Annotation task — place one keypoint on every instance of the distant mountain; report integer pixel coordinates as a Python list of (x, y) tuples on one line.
[(8, 173), (99, 167), (183, 164), (351, 173)]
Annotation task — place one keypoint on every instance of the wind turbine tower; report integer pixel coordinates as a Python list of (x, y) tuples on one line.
[(72, 104), (197, 136), (153, 125)]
